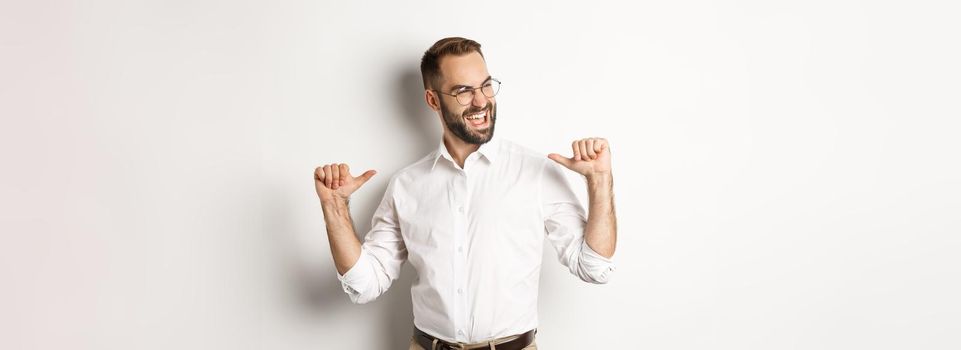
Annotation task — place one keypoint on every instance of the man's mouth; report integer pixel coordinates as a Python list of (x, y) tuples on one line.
[(478, 120)]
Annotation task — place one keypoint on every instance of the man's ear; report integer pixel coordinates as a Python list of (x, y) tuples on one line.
[(432, 100)]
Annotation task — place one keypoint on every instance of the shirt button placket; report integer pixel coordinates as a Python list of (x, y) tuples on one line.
[(461, 196)]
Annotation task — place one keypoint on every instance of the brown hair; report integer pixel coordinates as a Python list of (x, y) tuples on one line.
[(430, 63)]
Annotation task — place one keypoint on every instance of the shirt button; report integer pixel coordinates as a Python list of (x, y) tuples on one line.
[(460, 249), (460, 331), (460, 209), (460, 291)]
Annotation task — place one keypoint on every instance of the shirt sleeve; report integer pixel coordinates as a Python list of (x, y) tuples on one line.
[(564, 222), (381, 257)]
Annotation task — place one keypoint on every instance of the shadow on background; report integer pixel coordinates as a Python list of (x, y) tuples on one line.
[(408, 96), (314, 278)]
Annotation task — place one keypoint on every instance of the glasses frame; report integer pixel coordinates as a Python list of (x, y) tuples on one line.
[(472, 91)]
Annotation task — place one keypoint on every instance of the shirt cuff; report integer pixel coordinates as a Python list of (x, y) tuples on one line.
[(355, 280), (596, 264)]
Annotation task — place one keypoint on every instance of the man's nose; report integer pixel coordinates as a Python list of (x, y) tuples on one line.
[(479, 99)]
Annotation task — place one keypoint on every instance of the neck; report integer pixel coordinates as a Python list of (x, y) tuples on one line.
[(458, 149)]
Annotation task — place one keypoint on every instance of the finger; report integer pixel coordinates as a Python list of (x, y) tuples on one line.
[(319, 174), (335, 169), (566, 162), (600, 145), (344, 174), (583, 147), (577, 151), (589, 143), (365, 176), (328, 176)]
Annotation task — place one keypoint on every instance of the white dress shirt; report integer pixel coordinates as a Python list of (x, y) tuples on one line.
[(475, 238)]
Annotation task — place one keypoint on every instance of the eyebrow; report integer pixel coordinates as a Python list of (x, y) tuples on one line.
[(455, 87)]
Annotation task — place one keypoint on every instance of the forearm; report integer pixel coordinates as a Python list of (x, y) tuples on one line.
[(344, 245), (601, 230)]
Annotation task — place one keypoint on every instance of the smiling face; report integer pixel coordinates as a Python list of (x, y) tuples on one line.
[(473, 123)]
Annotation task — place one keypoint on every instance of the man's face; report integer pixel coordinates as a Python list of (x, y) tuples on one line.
[(468, 71)]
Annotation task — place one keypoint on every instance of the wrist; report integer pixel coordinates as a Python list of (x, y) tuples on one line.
[(599, 176), (334, 202)]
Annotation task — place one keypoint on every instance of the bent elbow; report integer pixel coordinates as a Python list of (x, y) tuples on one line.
[(590, 266), (595, 275), (358, 297), (361, 299)]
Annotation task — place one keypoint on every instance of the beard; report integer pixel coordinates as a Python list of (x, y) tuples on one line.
[(458, 125)]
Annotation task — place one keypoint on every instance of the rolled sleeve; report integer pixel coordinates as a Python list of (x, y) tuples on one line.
[(564, 222), (356, 280), (594, 265)]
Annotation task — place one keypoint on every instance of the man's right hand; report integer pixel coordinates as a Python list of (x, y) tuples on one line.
[(333, 181)]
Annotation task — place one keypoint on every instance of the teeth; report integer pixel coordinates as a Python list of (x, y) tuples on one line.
[(476, 116)]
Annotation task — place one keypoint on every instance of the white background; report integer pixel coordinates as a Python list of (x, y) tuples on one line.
[(786, 173)]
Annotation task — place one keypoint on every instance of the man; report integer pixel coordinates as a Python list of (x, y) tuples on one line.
[(471, 217)]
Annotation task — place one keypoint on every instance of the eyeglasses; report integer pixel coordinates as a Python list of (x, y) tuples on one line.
[(466, 94)]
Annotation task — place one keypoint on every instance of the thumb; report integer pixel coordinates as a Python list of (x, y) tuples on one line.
[(366, 176), (566, 162)]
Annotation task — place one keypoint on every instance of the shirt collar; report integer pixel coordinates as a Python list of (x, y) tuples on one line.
[(488, 150)]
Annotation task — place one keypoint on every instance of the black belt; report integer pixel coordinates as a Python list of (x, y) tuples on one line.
[(426, 340)]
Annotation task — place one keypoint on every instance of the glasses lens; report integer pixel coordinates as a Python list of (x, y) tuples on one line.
[(490, 89), (464, 97)]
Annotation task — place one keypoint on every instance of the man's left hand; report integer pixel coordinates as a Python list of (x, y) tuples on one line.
[(592, 156)]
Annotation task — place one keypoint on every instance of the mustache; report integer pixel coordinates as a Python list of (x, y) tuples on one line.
[(473, 110)]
